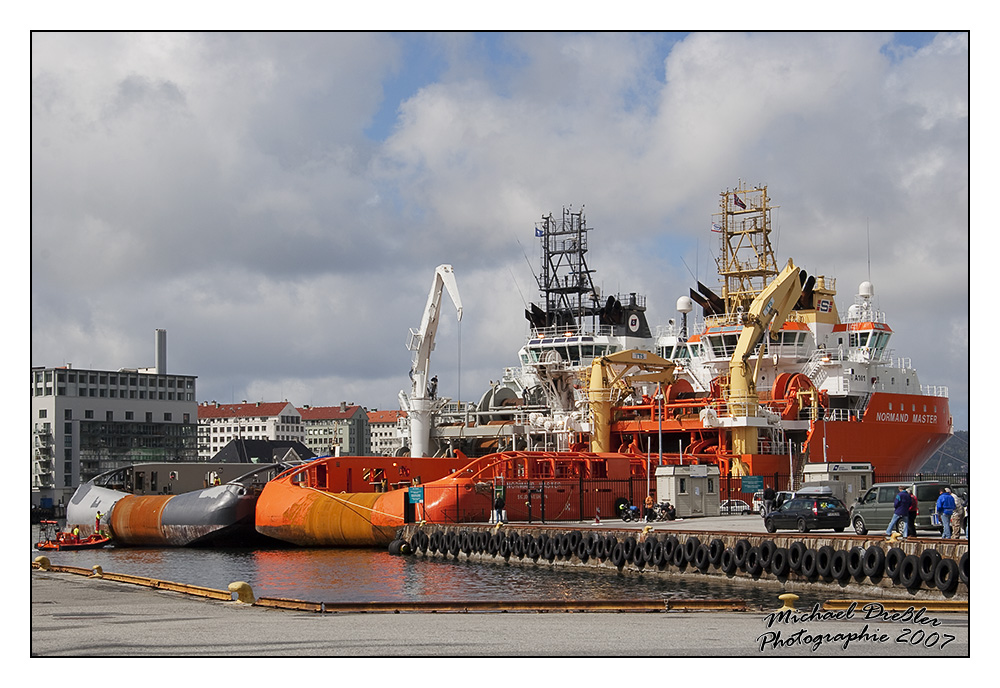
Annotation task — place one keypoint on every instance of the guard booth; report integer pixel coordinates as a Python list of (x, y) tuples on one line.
[(847, 481), (692, 489)]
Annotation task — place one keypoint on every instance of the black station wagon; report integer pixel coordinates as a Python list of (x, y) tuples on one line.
[(809, 513)]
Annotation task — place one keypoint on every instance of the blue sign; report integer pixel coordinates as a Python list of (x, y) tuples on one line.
[(417, 494), (751, 483)]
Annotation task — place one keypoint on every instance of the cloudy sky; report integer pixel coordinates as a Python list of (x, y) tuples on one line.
[(279, 202)]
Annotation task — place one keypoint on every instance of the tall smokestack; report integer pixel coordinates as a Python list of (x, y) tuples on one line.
[(161, 352)]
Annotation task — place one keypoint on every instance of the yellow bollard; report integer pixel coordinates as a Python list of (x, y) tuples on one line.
[(788, 600), (244, 593), (98, 572), (646, 529), (43, 563)]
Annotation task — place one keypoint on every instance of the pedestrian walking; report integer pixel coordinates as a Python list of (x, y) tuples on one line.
[(768, 500), (901, 510), (945, 507), (498, 505), (911, 517), (958, 515)]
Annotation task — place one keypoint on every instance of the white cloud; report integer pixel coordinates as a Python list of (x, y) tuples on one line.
[(223, 186)]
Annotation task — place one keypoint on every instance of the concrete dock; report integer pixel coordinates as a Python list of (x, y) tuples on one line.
[(76, 616)]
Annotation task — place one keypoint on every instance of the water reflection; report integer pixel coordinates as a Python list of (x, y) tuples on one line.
[(360, 575)]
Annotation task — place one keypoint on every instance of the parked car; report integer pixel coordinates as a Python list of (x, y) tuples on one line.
[(735, 506), (874, 508), (809, 513)]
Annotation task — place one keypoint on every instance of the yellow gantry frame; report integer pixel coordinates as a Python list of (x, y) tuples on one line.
[(618, 372)]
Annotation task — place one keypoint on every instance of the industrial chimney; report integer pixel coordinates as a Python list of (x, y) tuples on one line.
[(160, 343)]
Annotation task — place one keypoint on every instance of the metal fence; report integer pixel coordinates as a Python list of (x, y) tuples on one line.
[(539, 501)]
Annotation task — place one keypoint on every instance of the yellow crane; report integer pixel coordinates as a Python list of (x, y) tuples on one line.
[(767, 314), (612, 377)]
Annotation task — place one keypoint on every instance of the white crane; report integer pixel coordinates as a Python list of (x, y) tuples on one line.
[(422, 401)]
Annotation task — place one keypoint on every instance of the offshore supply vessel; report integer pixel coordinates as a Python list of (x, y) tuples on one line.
[(767, 379)]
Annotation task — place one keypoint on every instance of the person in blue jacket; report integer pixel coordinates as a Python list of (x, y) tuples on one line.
[(902, 511), (945, 507)]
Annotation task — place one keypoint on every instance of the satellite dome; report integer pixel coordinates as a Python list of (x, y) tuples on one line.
[(866, 289), (685, 304)]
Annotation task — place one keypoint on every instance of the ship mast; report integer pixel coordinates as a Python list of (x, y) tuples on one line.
[(746, 264), (565, 280)]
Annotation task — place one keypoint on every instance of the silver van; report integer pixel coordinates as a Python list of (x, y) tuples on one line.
[(874, 508)]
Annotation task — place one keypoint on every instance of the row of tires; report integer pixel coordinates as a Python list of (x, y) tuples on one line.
[(661, 552)]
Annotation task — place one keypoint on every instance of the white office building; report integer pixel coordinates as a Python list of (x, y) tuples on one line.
[(85, 422)]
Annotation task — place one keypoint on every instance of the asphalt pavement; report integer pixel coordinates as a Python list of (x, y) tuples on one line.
[(77, 616)]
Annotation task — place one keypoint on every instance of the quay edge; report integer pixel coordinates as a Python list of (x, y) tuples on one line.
[(473, 542)]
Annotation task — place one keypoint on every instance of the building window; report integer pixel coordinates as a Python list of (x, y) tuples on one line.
[(89, 415), (129, 415), (168, 417), (68, 414), (43, 413)]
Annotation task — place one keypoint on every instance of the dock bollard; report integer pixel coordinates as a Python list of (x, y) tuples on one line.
[(244, 593), (98, 572), (788, 600), (43, 563)]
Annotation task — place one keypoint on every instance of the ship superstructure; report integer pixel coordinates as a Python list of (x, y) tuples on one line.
[(812, 387)]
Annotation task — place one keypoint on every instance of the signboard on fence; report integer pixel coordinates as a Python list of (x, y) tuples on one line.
[(751, 483), (416, 495)]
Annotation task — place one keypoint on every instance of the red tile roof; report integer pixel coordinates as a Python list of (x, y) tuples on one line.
[(262, 409), (328, 412), (385, 416)]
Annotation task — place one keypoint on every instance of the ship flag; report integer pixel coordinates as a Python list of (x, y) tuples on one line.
[(539, 232), (716, 227), (737, 201)]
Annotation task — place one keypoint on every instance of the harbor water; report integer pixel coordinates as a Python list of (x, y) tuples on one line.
[(368, 575)]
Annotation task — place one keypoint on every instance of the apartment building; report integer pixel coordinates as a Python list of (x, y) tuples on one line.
[(218, 424), (336, 430), (386, 436), (85, 422)]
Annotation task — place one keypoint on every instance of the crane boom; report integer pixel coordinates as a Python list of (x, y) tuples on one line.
[(766, 315), (421, 402)]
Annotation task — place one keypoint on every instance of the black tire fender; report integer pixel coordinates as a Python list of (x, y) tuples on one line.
[(838, 565), (874, 563), (701, 558), (779, 562), (929, 559), (753, 564), (946, 575), (856, 563), (715, 551), (893, 562), (629, 546), (767, 549), (824, 557), (808, 566), (963, 568), (691, 548), (669, 546), (909, 572), (679, 560), (728, 563), (740, 550), (618, 556), (795, 552)]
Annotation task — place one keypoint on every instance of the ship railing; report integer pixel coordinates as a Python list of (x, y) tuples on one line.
[(560, 331), (934, 390)]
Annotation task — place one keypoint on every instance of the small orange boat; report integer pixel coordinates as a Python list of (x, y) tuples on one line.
[(58, 541)]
